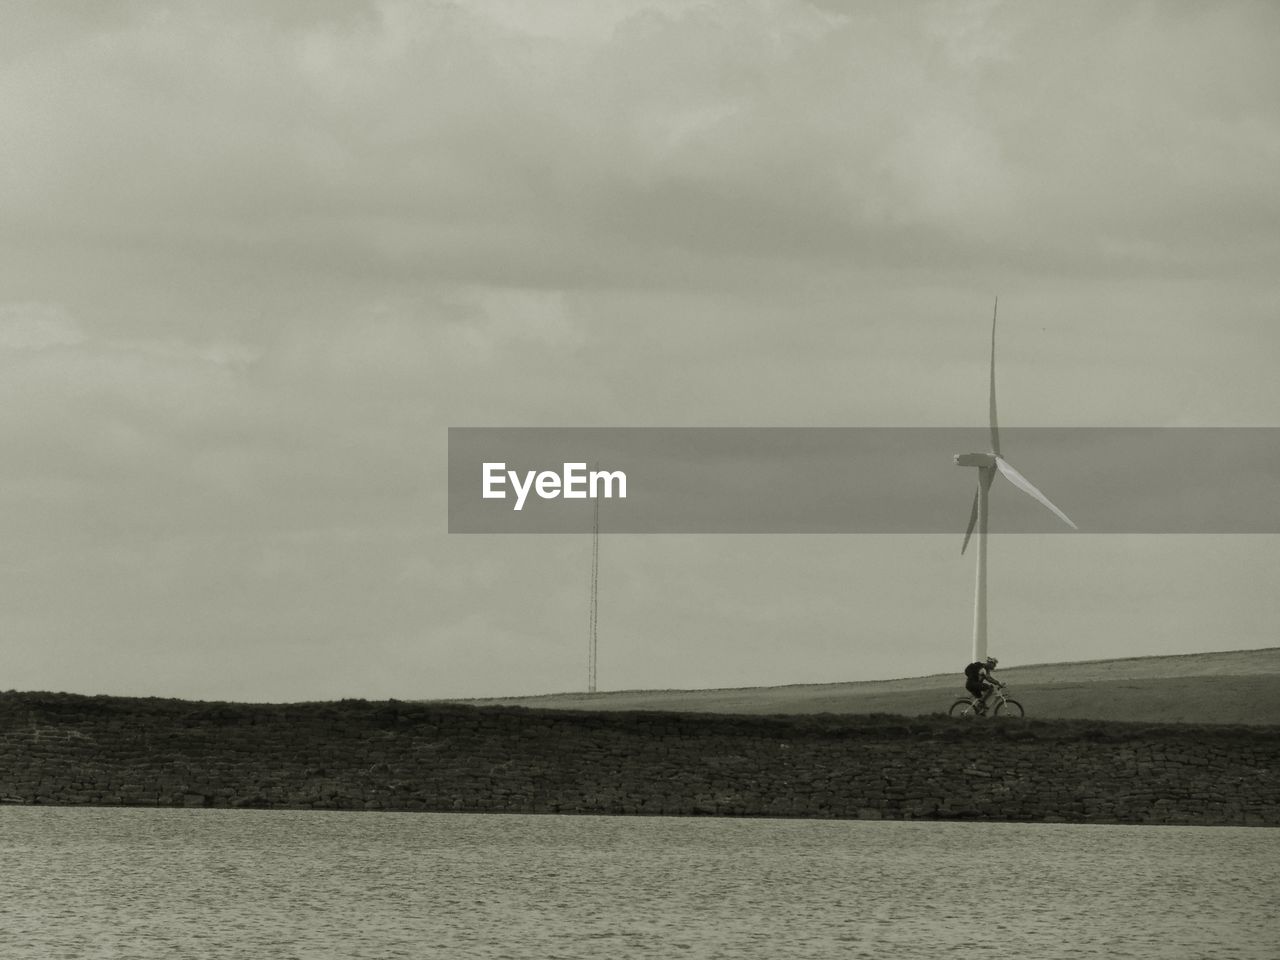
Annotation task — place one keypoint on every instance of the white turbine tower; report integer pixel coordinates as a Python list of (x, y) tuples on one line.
[(988, 464)]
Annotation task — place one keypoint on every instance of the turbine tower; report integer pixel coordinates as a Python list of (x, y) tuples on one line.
[(987, 464)]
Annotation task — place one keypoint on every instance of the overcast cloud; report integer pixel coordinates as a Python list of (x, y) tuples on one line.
[(258, 257)]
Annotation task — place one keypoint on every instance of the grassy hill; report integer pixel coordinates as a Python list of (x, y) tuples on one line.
[(1241, 686)]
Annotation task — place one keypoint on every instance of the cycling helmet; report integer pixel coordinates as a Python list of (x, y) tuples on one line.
[(992, 661)]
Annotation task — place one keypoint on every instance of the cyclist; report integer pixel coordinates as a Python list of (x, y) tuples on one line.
[(979, 681)]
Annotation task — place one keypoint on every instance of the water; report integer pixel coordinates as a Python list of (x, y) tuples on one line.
[(141, 884)]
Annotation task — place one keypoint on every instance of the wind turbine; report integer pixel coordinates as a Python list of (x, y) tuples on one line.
[(987, 464)]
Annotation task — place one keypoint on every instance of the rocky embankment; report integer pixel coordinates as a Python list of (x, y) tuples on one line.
[(358, 755)]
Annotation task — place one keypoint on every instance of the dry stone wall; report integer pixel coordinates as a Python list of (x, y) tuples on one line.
[(358, 755)]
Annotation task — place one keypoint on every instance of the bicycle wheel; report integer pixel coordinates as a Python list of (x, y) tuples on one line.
[(1009, 708), (962, 708)]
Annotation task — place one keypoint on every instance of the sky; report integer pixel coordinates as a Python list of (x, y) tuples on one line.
[(259, 257)]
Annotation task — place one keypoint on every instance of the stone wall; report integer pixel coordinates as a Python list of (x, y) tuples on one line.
[(357, 755)]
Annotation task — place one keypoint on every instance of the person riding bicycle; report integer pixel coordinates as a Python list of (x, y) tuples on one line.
[(979, 681)]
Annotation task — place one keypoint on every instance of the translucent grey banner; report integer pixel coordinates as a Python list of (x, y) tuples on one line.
[(859, 480)]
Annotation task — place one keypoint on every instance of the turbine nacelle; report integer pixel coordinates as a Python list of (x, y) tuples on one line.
[(987, 461)]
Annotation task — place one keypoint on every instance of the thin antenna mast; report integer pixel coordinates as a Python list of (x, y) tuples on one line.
[(595, 600)]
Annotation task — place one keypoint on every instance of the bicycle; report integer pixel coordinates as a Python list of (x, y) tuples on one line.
[(1001, 705)]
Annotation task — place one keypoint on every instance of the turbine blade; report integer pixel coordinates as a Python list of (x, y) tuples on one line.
[(1026, 486), (973, 517), (995, 426)]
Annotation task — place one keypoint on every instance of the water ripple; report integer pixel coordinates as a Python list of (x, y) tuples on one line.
[(144, 884)]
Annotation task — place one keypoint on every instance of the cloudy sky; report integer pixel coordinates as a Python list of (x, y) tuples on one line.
[(259, 256)]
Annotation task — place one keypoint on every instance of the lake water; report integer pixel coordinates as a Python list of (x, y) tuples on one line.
[(179, 884)]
